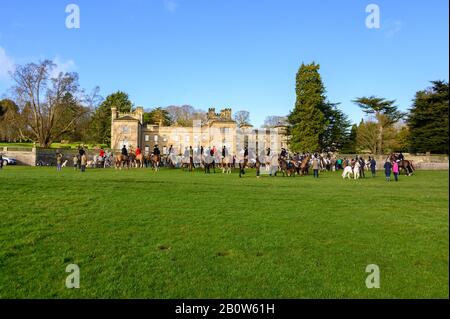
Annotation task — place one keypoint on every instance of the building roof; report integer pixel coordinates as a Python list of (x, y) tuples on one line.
[(126, 118)]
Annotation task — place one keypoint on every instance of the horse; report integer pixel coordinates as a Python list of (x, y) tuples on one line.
[(208, 162), (156, 160), (286, 167), (122, 160), (356, 170), (304, 166), (226, 164), (406, 165), (132, 159), (139, 159), (242, 164)]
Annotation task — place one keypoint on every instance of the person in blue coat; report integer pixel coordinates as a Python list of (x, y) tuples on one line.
[(387, 170)]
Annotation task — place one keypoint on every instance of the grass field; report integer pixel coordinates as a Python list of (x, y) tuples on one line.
[(136, 234)]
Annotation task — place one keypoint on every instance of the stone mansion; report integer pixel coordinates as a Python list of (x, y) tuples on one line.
[(219, 130)]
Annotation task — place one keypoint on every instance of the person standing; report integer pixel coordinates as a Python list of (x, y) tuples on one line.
[(315, 167), (83, 162), (373, 166), (1, 161), (75, 162), (362, 164), (387, 170), (395, 170), (59, 158)]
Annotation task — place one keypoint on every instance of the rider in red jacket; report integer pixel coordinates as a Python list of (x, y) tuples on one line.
[(138, 151), (102, 153)]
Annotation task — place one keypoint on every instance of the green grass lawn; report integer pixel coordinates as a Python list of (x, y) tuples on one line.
[(136, 234)]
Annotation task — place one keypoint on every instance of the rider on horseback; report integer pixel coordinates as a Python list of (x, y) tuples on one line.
[(156, 150), (138, 151), (124, 151)]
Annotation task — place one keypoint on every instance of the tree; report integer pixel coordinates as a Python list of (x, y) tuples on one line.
[(428, 119), (9, 121), (337, 128), (274, 120), (185, 115), (366, 137), (242, 118), (385, 113), (158, 116), (349, 146), (307, 119), (100, 126), (53, 102)]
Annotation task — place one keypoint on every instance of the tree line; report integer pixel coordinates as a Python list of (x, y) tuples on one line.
[(316, 124), (45, 108)]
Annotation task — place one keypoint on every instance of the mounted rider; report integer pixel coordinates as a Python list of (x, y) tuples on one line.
[(124, 151), (156, 150)]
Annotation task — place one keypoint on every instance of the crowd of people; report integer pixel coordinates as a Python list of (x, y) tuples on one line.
[(200, 156)]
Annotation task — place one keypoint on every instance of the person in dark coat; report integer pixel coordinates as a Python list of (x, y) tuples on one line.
[(373, 166), (124, 151), (387, 170), (362, 164), (156, 150)]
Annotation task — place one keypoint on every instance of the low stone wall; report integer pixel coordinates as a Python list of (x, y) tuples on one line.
[(424, 162)]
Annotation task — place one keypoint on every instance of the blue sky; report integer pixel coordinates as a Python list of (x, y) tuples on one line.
[(242, 54)]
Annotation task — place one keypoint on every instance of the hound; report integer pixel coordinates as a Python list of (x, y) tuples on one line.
[(347, 172)]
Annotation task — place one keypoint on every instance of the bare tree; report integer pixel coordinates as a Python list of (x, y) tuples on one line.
[(53, 103), (242, 117), (274, 120)]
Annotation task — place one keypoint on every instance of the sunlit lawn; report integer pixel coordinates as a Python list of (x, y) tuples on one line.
[(137, 234)]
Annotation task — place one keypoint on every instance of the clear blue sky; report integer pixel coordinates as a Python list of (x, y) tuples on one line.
[(242, 54)]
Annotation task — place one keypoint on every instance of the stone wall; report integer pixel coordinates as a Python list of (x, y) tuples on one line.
[(425, 162)]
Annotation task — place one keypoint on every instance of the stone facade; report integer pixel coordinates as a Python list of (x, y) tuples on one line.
[(219, 130)]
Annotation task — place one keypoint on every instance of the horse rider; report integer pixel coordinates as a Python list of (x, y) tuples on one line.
[(268, 151), (102, 153), (156, 150), (124, 151), (283, 153), (245, 152), (400, 157)]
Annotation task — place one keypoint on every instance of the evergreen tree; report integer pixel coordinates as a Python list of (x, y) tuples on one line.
[(428, 119), (307, 119), (101, 121)]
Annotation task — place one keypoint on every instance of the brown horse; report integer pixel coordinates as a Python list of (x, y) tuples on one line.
[(139, 159), (156, 160), (304, 166), (121, 160), (406, 165), (242, 165), (286, 167)]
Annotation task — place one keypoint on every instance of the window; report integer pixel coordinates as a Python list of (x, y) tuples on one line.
[(125, 129), (147, 138), (155, 138)]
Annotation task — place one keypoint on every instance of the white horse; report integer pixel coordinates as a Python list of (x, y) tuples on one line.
[(356, 170), (347, 173)]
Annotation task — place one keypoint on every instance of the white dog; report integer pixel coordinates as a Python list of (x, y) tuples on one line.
[(65, 163), (347, 172)]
